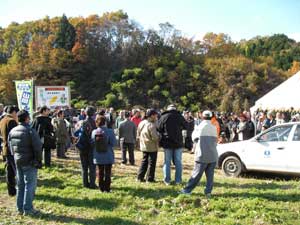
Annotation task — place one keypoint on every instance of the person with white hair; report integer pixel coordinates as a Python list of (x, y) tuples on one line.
[(206, 155)]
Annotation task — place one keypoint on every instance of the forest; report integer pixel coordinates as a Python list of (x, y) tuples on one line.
[(111, 60)]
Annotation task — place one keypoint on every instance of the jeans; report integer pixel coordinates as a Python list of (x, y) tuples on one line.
[(148, 158), (130, 147), (104, 177), (176, 155), (47, 157), (26, 185), (197, 173), (88, 168), (10, 175)]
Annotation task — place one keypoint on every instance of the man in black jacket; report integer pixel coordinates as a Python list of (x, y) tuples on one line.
[(26, 147), (170, 127), (8, 122), (42, 124), (86, 152)]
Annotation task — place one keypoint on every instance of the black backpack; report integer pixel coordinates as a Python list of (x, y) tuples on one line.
[(101, 141)]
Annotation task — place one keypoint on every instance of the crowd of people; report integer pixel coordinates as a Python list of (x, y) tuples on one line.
[(26, 145)]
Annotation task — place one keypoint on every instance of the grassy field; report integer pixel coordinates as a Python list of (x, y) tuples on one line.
[(247, 200)]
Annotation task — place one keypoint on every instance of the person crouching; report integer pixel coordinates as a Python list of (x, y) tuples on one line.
[(148, 138), (26, 147), (103, 140), (206, 155)]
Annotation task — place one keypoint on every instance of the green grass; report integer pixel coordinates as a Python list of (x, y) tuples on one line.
[(247, 200)]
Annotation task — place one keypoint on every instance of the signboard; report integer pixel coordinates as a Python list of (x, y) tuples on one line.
[(52, 96), (24, 89)]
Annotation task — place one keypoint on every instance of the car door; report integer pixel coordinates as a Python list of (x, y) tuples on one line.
[(293, 151), (267, 151)]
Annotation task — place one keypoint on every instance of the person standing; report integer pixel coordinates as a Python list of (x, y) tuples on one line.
[(190, 125), (86, 149), (148, 138), (8, 122), (120, 119), (127, 137), (206, 155), (103, 140), (136, 118), (42, 124), (170, 127), (61, 134), (26, 147)]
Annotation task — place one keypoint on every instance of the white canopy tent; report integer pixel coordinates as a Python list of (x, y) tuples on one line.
[(283, 97)]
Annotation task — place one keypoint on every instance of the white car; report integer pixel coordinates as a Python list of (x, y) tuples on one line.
[(275, 150)]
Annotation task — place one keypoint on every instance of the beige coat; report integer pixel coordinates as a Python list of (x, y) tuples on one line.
[(148, 136)]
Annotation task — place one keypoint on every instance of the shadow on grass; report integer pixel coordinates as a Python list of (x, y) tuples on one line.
[(264, 186), (52, 182), (284, 197), (149, 193), (269, 175), (101, 220), (103, 204)]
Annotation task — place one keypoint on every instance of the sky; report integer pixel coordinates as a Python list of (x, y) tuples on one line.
[(240, 19)]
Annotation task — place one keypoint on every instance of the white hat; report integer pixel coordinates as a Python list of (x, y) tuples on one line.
[(171, 107), (207, 113)]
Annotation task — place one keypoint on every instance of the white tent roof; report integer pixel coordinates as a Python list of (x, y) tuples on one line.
[(283, 97)]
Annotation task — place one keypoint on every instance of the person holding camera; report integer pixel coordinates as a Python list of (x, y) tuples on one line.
[(26, 147)]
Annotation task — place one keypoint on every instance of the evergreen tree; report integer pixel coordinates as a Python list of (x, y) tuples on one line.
[(65, 37)]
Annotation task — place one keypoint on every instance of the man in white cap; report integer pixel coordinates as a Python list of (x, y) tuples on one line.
[(206, 155)]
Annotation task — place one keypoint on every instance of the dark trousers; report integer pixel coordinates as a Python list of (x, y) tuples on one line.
[(130, 147), (88, 169), (104, 177), (149, 158), (47, 156), (11, 175), (60, 150)]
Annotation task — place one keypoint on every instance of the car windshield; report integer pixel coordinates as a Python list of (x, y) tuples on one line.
[(277, 134)]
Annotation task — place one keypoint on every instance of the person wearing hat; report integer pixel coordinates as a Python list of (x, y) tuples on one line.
[(127, 137), (8, 122), (206, 155), (42, 124), (148, 137), (170, 126)]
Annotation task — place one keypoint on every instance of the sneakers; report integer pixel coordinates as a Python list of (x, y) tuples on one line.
[(184, 192), (32, 212), (167, 183), (208, 195)]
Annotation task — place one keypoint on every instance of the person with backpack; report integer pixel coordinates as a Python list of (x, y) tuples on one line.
[(85, 147), (42, 124), (26, 147), (103, 141), (148, 138)]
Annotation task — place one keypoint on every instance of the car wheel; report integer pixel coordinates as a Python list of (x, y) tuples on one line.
[(232, 166)]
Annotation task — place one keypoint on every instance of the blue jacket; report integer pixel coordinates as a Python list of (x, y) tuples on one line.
[(104, 158)]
